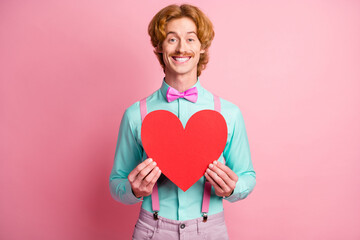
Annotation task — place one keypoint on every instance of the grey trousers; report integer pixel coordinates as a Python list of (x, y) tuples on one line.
[(166, 229)]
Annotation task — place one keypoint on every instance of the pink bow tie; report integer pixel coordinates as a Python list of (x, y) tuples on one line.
[(190, 94)]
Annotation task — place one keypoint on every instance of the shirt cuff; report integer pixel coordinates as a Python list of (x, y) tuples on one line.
[(239, 191), (131, 195)]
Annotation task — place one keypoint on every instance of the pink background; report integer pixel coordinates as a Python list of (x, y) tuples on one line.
[(70, 68)]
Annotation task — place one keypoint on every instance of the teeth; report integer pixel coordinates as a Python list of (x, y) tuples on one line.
[(182, 59)]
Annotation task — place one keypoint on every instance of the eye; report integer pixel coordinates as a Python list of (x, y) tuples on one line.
[(172, 40), (191, 40)]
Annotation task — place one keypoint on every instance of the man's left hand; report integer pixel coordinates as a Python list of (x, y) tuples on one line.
[(222, 178)]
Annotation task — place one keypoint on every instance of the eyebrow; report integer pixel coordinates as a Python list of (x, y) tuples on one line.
[(176, 33)]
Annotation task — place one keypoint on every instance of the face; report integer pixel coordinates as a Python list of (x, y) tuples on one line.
[(181, 48)]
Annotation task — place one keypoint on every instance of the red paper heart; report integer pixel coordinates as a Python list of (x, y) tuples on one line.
[(184, 154)]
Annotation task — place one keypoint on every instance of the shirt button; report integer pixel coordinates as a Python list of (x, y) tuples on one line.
[(182, 226)]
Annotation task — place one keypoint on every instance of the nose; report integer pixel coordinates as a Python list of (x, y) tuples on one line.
[(181, 46)]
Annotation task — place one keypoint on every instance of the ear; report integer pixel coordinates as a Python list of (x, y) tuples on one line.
[(202, 50), (158, 49)]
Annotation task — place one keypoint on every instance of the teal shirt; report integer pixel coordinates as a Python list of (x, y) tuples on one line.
[(174, 203)]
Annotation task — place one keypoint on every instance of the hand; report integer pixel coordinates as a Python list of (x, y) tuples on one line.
[(222, 178), (143, 178)]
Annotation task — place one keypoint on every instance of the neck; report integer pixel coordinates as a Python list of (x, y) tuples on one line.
[(180, 82)]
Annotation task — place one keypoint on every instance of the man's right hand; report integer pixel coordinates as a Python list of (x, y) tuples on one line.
[(143, 178)]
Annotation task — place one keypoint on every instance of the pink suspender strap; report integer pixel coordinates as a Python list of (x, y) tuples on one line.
[(207, 186), (143, 109), (217, 106), (217, 103), (155, 195), (206, 200)]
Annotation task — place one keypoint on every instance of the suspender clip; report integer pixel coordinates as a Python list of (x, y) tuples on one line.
[(205, 217), (156, 217)]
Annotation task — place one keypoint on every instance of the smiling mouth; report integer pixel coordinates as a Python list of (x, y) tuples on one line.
[(181, 59)]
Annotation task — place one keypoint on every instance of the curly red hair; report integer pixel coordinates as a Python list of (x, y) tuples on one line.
[(205, 31)]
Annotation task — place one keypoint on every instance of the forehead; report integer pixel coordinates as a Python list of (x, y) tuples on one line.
[(182, 25)]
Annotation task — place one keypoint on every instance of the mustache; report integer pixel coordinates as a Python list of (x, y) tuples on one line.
[(183, 54)]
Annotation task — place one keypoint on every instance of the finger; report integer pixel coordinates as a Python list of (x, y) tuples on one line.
[(221, 174), (150, 176), (230, 184), (143, 173), (132, 175), (213, 183), (217, 180), (154, 179), (227, 170)]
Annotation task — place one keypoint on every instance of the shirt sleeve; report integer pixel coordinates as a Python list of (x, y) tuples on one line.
[(128, 155), (238, 158)]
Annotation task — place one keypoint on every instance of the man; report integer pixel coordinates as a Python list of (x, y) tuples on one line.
[(181, 36)]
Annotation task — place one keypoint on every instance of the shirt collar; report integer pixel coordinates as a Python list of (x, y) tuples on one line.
[(165, 86)]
